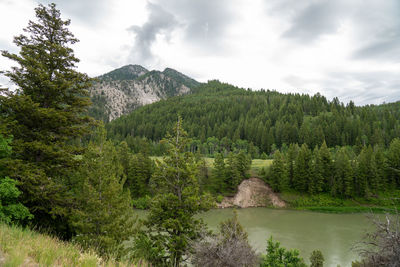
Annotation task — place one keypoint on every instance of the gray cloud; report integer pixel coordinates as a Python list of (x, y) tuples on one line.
[(314, 20), (366, 87), (203, 22), (379, 32), (372, 87), (159, 22), (375, 24), (89, 12)]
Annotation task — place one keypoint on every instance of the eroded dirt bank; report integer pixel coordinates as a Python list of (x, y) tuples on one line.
[(253, 192)]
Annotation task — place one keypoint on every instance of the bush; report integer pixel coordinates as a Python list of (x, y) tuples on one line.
[(142, 203), (279, 256), (317, 259), (229, 247), (11, 211), (219, 198)]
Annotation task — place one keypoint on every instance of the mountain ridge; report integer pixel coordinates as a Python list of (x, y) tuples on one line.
[(124, 89)]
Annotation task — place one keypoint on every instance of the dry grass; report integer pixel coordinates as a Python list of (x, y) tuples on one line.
[(24, 247)]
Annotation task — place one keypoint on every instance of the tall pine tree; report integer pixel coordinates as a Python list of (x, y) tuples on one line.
[(45, 115), (171, 223)]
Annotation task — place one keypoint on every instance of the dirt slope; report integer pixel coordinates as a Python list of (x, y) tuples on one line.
[(253, 192)]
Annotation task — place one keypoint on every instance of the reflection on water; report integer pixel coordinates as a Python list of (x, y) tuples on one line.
[(333, 234)]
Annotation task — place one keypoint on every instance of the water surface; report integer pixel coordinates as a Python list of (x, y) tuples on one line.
[(333, 234)]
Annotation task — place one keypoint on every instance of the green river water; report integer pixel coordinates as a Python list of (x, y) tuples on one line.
[(333, 234)]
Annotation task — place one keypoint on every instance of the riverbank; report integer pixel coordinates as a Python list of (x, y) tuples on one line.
[(387, 202)]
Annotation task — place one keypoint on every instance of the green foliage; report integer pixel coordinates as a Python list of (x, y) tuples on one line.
[(11, 211), (278, 256), (138, 170), (44, 116), (142, 203), (171, 224), (278, 178), (393, 160), (103, 216), (262, 118), (219, 173), (317, 259), (237, 167), (219, 198)]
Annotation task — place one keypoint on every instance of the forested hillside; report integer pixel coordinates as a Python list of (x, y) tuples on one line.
[(221, 116)]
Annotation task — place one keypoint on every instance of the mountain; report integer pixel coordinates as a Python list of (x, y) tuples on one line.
[(122, 90), (218, 115)]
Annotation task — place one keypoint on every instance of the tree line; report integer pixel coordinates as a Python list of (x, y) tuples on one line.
[(266, 119), (341, 173)]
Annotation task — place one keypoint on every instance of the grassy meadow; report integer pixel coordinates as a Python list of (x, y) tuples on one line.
[(256, 164)]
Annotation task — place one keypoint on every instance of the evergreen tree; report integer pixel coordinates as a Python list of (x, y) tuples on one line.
[(303, 170), (364, 171), (381, 168), (278, 179), (343, 184), (393, 161), (326, 164), (233, 176), (291, 156), (103, 215), (171, 224), (219, 173), (317, 184), (45, 116)]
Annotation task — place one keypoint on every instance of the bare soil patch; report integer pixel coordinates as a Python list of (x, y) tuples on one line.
[(253, 192)]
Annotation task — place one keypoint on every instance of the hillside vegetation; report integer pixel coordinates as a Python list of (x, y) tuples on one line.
[(219, 116), (23, 247)]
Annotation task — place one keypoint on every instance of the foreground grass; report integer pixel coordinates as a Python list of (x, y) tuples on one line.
[(24, 247)]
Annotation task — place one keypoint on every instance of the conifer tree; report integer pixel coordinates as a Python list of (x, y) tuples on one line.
[(103, 215), (233, 176), (381, 165), (171, 224), (291, 156), (317, 183), (393, 161), (278, 179), (45, 115), (343, 184), (326, 167), (364, 171), (303, 173), (219, 173)]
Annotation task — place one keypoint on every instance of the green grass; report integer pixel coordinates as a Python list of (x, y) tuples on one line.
[(256, 164), (326, 203), (24, 247)]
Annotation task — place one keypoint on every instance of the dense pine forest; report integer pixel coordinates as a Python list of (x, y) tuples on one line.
[(220, 117)]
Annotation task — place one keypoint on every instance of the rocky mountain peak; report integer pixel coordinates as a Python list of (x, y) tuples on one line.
[(122, 90), (128, 72)]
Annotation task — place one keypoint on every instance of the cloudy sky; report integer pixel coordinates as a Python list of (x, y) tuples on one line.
[(344, 48)]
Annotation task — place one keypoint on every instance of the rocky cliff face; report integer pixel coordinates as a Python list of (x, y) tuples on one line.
[(122, 90)]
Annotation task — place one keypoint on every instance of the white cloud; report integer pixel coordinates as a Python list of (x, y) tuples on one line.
[(338, 48)]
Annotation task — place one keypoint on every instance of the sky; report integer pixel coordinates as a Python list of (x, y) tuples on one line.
[(348, 49)]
